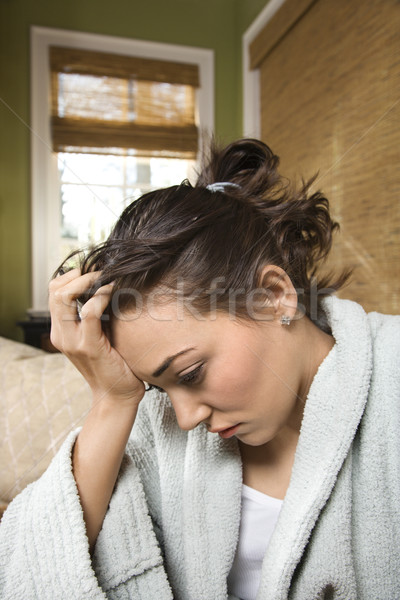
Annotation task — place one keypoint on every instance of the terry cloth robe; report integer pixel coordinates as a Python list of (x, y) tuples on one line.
[(173, 521)]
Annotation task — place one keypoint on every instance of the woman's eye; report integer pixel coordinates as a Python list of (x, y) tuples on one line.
[(192, 377)]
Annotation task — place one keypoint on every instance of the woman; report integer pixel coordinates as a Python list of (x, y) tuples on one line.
[(264, 460)]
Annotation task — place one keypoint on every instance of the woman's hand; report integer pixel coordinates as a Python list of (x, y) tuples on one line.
[(83, 340), (100, 445)]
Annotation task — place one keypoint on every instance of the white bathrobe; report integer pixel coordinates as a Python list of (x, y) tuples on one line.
[(172, 526)]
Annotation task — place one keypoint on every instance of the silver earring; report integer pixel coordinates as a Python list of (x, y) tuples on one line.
[(285, 320)]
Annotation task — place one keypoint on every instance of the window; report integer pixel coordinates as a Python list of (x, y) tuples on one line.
[(102, 93), (96, 188)]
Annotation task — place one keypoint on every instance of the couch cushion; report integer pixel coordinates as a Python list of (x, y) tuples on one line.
[(43, 397)]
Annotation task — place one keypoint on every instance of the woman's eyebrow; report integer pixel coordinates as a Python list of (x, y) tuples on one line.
[(168, 361)]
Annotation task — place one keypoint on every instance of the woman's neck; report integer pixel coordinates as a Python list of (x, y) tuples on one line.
[(267, 468)]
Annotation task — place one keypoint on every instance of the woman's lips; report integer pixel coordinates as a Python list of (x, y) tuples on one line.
[(226, 433)]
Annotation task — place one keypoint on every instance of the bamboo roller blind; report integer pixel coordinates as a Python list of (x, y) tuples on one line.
[(330, 103), (107, 103)]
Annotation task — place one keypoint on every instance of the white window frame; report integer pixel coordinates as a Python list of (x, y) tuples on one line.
[(251, 77), (44, 171)]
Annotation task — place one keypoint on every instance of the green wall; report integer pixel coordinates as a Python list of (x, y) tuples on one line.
[(216, 24)]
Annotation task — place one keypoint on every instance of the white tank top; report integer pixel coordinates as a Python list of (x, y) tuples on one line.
[(258, 519)]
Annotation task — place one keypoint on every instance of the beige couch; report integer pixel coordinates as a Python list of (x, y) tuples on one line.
[(42, 398)]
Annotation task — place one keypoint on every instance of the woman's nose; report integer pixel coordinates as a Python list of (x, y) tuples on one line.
[(189, 411)]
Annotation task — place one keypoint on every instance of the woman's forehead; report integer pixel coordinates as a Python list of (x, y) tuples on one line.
[(163, 331)]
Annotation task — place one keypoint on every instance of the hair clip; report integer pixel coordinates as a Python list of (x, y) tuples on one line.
[(219, 186)]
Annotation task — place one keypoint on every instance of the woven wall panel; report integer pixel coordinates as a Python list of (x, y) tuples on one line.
[(285, 18), (330, 103)]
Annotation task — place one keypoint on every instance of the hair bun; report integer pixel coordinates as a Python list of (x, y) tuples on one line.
[(248, 163)]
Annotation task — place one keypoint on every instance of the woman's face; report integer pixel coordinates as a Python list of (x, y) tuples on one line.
[(242, 379)]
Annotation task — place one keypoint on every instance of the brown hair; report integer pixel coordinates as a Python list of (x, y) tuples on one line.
[(194, 235)]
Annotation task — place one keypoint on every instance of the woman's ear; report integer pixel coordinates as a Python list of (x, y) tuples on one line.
[(280, 292)]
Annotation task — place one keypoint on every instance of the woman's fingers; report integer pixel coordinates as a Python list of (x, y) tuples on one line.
[(83, 340), (91, 317), (63, 293), (97, 304), (65, 289)]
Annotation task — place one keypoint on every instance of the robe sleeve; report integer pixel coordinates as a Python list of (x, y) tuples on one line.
[(44, 549)]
